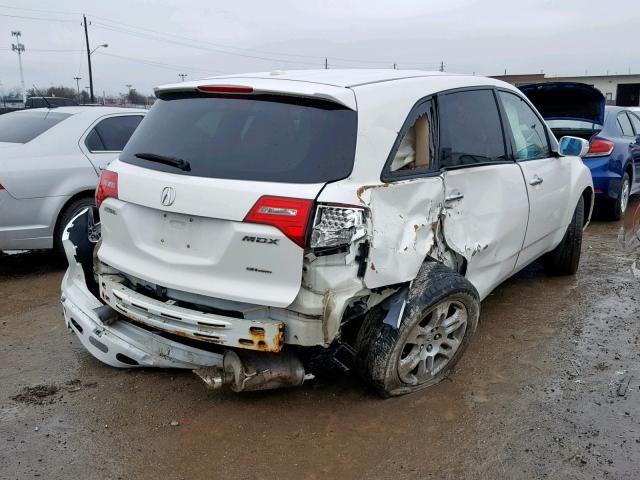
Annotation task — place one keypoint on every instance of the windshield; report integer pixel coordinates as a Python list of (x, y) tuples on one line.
[(22, 127), (262, 138)]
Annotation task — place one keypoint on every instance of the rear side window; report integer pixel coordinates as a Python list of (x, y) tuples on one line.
[(112, 134), (22, 127), (415, 152), (470, 129), (635, 121), (260, 137), (625, 125), (529, 134)]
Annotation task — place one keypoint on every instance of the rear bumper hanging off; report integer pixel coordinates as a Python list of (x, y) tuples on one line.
[(264, 334), (118, 343)]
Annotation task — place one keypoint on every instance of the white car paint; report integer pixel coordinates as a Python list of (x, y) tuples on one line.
[(41, 176), (493, 224)]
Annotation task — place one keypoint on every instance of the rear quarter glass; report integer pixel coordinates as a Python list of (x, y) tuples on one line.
[(248, 137), (22, 127)]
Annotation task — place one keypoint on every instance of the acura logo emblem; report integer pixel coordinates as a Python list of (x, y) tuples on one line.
[(168, 196)]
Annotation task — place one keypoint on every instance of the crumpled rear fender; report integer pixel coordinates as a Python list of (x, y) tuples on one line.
[(405, 218)]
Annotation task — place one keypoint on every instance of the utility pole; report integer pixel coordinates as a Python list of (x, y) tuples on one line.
[(77, 79), (19, 48), (326, 63), (128, 85), (395, 66), (182, 76), (86, 37), (442, 65)]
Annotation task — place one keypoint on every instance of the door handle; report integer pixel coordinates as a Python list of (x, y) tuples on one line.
[(454, 197), (536, 180)]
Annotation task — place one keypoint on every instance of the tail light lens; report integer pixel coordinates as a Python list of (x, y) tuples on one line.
[(107, 187), (289, 215), (335, 226), (1, 187), (600, 148)]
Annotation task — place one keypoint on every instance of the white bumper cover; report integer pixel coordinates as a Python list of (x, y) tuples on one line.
[(120, 344)]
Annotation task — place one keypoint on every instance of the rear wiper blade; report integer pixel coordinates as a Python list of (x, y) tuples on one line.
[(165, 160)]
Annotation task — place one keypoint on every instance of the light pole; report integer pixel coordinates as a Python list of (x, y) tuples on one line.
[(128, 85), (19, 48), (104, 45), (77, 79), (182, 76)]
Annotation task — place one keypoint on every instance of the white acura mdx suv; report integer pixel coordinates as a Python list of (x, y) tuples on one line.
[(255, 222)]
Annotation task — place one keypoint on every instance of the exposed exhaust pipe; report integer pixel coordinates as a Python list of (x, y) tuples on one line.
[(247, 371)]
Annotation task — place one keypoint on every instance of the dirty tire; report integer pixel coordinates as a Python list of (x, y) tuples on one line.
[(65, 217), (565, 258), (382, 348), (616, 207)]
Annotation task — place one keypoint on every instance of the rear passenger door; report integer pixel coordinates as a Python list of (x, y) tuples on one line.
[(486, 206), (547, 177), (107, 137)]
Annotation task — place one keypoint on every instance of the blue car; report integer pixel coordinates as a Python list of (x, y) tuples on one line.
[(613, 132)]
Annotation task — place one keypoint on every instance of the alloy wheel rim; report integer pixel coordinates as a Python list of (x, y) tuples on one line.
[(624, 196), (433, 342)]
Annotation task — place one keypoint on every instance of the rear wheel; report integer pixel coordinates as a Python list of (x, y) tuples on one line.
[(65, 217), (565, 258), (618, 206), (440, 316)]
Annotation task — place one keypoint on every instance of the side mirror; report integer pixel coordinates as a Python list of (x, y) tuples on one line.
[(573, 147)]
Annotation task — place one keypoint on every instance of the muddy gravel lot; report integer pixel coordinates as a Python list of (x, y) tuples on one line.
[(549, 388)]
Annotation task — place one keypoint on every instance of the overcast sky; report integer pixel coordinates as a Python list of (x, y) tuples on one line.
[(152, 41)]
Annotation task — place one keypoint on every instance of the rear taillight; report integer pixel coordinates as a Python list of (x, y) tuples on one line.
[(1, 187), (107, 187), (289, 215), (338, 225), (600, 148)]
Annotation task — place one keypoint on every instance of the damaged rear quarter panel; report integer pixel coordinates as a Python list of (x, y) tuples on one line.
[(403, 216)]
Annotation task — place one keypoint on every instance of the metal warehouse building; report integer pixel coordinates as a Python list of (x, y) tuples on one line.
[(623, 90)]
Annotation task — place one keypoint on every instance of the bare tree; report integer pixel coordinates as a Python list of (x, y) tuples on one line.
[(59, 91)]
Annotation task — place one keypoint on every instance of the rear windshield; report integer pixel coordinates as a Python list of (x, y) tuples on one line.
[(22, 127), (263, 138)]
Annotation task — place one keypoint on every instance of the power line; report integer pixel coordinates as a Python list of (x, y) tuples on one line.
[(320, 57), (55, 50), (41, 11), (165, 37), (200, 47), (160, 64), (37, 18)]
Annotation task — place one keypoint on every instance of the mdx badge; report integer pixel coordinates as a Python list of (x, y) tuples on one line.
[(168, 196), (268, 241)]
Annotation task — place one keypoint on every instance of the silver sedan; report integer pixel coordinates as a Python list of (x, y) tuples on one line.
[(50, 161)]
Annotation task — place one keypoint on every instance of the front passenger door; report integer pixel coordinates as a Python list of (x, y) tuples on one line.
[(547, 177)]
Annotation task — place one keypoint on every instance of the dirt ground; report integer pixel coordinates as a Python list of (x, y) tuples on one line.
[(549, 388)]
